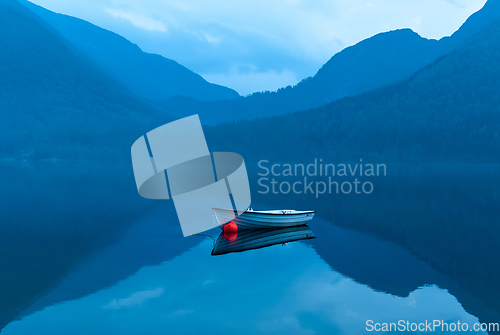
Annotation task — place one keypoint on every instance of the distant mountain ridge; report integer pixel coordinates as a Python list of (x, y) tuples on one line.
[(377, 61), (388, 57), (56, 102), (448, 111), (148, 75)]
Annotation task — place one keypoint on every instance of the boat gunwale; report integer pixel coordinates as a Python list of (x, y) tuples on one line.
[(263, 213)]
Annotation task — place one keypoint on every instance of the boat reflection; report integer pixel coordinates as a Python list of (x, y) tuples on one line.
[(243, 240)]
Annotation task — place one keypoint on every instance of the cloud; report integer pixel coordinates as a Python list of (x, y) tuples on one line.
[(212, 39), (137, 298), (137, 20)]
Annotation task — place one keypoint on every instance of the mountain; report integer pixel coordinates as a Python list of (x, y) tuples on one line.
[(377, 61), (386, 58), (447, 112), (55, 103), (371, 63), (148, 75), (473, 24)]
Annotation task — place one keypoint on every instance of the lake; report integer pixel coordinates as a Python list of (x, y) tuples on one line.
[(82, 253)]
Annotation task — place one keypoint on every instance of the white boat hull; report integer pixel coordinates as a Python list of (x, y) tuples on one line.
[(264, 219)]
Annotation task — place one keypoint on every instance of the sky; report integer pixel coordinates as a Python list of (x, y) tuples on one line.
[(257, 45)]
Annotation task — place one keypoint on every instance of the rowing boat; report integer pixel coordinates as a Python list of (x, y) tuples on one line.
[(251, 219)]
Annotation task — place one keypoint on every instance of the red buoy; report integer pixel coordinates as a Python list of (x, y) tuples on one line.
[(230, 227)]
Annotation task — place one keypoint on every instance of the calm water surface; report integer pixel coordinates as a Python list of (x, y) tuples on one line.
[(82, 253)]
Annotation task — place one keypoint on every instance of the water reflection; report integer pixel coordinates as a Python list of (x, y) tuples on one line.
[(87, 262), (446, 215), (53, 216), (149, 242), (280, 289), (243, 240)]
